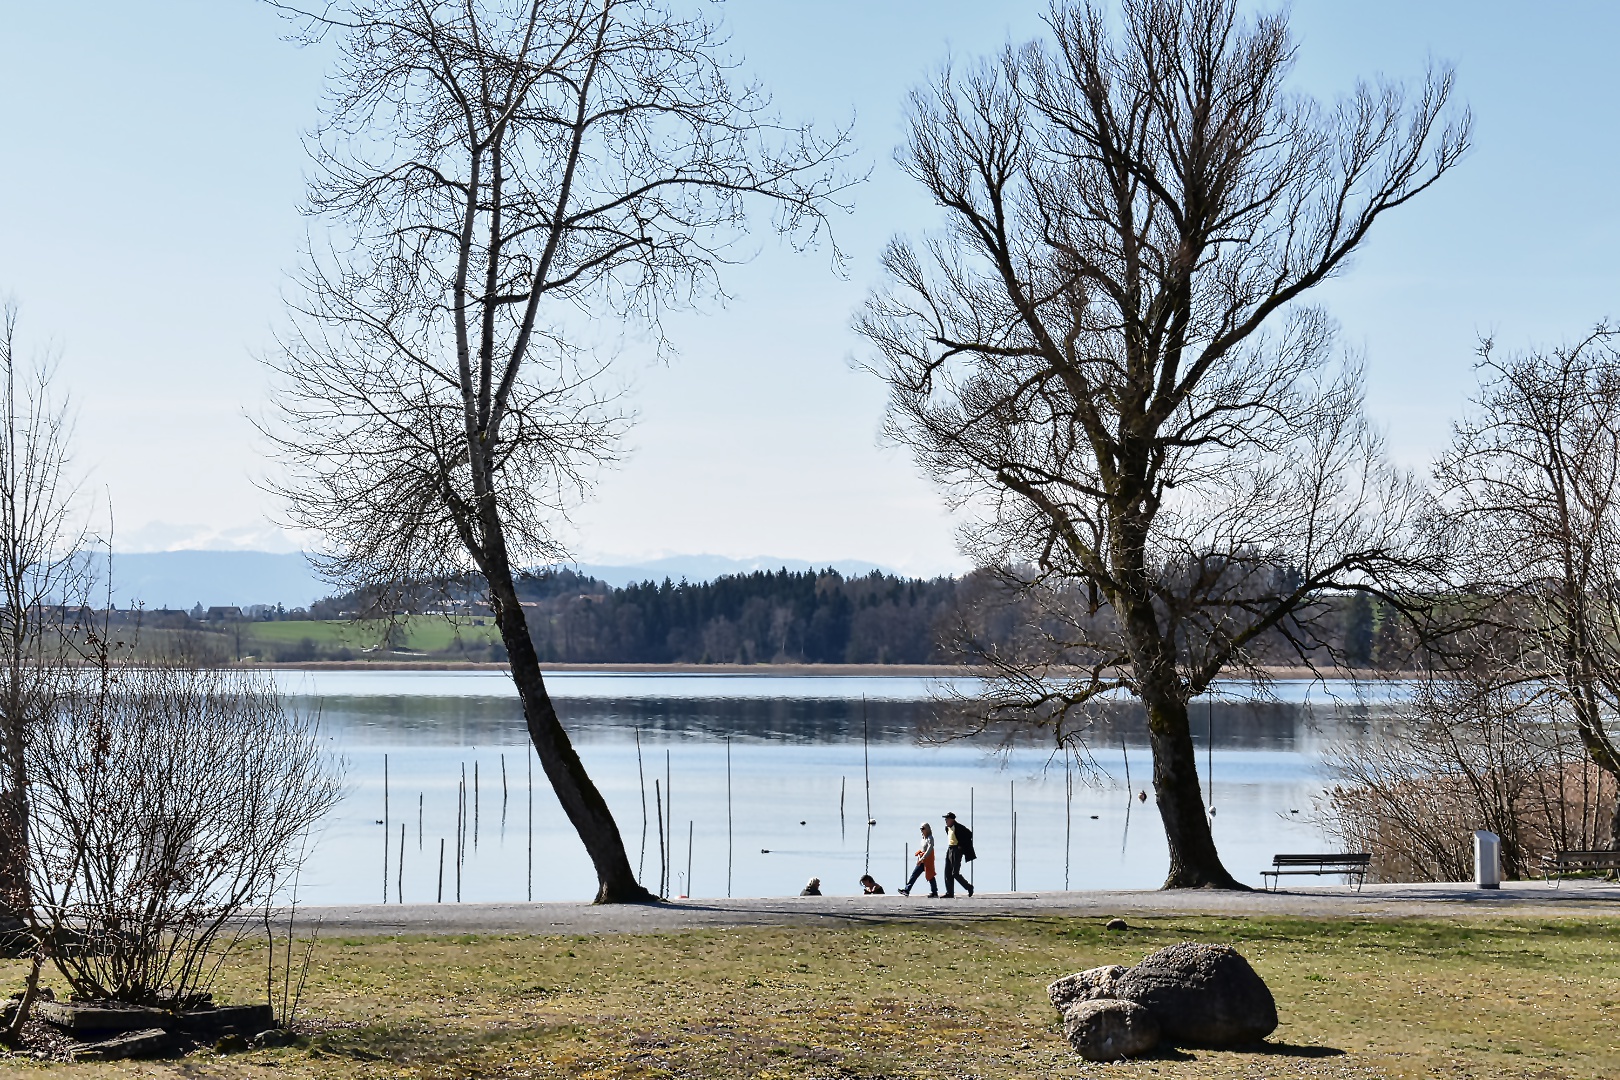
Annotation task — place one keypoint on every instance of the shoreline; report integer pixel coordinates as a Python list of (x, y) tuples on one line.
[(930, 671), (914, 671), (1516, 899)]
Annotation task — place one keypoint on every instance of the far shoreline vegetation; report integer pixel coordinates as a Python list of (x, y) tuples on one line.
[(785, 619)]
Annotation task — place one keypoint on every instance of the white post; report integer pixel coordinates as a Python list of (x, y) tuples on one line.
[(1487, 860)]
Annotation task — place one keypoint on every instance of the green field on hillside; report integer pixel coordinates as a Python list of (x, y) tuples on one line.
[(421, 633)]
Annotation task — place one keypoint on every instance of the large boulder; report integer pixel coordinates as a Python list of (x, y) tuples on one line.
[(1201, 995), (1085, 986), (1108, 1029)]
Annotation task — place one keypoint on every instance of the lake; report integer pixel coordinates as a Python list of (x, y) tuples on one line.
[(802, 750)]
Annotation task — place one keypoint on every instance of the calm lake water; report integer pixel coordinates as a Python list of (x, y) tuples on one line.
[(798, 784)]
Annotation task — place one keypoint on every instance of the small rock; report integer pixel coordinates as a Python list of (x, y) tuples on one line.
[(133, 1044), (1108, 1029), (1085, 986), (1116, 924), (230, 1044), (271, 1037), (1202, 995)]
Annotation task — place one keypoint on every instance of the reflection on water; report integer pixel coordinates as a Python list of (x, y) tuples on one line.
[(797, 780)]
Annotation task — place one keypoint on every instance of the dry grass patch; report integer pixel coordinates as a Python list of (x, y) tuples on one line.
[(1382, 998)]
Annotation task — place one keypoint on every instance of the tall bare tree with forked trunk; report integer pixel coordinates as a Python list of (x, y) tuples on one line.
[(1106, 355)]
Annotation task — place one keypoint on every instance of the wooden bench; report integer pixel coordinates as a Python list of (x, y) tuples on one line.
[(1559, 863), (1350, 864)]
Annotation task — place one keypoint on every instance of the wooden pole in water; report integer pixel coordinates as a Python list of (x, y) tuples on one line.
[(461, 830), (1068, 814), (399, 882), (842, 780), (385, 828), (1209, 754), (475, 804), (441, 870), (866, 762), (421, 798), (728, 815), (1012, 810), (641, 867), (658, 807), (1125, 832)]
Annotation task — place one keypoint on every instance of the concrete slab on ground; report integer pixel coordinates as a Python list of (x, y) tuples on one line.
[(1513, 899)]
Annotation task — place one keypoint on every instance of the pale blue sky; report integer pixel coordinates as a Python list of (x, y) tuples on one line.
[(152, 165)]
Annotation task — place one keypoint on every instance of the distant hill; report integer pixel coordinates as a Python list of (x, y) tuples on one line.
[(179, 579)]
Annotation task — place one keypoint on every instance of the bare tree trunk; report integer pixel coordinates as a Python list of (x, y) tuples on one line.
[(15, 905), (16, 901), (586, 809), (1194, 862)]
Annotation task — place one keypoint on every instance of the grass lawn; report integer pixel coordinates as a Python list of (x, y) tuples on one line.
[(423, 633), (1384, 998)]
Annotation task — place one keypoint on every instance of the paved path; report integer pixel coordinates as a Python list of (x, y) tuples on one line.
[(1519, 899)]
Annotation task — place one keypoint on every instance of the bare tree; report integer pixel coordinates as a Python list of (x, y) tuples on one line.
[(503, 175), (43, 575), (1531, 497), (1105, 353)]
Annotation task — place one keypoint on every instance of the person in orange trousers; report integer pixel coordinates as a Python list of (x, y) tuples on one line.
[(925, 863)]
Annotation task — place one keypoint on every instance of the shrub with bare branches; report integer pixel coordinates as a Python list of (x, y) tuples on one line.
[(168, 803), (1475, 753)]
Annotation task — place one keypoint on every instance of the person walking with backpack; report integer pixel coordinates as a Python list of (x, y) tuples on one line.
[(925, 863), (958, 850)]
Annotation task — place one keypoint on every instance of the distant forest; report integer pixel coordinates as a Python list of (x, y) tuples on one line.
[(811, 617), (784, 616), (763, 617), (796, 617)]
